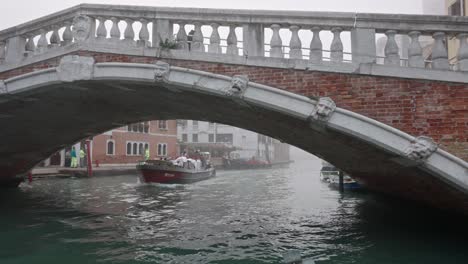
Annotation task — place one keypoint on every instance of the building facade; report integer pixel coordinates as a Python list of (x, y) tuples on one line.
[(221, 140), (127, 145)]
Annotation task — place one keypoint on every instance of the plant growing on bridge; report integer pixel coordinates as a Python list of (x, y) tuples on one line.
[(168, 44)]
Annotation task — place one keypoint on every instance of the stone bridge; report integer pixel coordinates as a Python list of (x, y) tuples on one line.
[(396, 123)]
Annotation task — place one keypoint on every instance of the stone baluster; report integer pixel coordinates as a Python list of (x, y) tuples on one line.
[(181, 37), (67, 34), (197, 39), (316, 46), (415, 58), (276, 45), (42, 43), (2, 51), (55, 38), (232, 41), (115, 31), (144, 34), (214, 46), (30, 47), (295, 45), (101, 32), (392, 57), (336, 47), (463, 52), (439, 52), (129, 33)]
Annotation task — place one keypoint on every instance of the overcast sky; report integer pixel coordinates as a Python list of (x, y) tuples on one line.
[(14, 12)]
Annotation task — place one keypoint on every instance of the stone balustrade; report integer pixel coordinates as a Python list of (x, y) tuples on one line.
[(245, 33)]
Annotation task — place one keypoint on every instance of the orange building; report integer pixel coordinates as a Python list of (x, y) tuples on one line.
[(126, 145)]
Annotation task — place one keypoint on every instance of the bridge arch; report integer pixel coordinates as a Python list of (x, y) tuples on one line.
[(84, 98)]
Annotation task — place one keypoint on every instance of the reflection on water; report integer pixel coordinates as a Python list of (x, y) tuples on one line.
[(236, 217)]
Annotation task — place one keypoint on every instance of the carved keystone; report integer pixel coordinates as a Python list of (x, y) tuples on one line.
[(3, 88), (161, 72), (323, 110), (421, 148), (74, 68), (238, 85), (81, 28)]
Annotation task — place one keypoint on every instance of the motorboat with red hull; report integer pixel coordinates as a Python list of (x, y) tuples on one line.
[(163, 171)]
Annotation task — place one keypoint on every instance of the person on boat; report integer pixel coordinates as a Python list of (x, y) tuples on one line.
[(82, 158), (74, 162), (203, 161)]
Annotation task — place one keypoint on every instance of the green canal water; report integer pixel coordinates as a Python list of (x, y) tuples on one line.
[(238, 217)]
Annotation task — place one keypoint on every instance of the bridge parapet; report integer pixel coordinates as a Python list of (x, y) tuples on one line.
[(252, 37)]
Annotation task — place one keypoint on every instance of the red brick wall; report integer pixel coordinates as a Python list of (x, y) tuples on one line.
[(121, 136), (418, 107)]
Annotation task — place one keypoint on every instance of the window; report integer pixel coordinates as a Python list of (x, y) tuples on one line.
[(184, 138), (162, 149), (162, 124), (225, 138), (135, 148), (110, 147), (195, 125), (210, 125), (142, 127), (195, 138), (129, 148), (210, 137), (182, 123), (455, 9), (140, 149)]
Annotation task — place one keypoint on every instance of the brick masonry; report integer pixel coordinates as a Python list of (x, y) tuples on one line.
[(418, 107)]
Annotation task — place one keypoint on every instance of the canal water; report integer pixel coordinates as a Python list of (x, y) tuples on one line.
[(238, 217)]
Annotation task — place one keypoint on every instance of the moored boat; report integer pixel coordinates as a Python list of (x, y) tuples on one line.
[(331, 175), (181, 170)]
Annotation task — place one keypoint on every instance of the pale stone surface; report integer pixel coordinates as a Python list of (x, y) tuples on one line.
[(324, 109), (81, 28), (316, 45), (161, 71), (415, 58), (439, 52), (239, 84), (74, 68), (392, 56), (363, 45), (421, 148), (336, 47), (3, 88), (463, 52)]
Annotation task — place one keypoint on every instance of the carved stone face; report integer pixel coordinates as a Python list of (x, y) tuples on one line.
[(421, 148), (238, 84), (81, 27), (324, 109), (161, 71)]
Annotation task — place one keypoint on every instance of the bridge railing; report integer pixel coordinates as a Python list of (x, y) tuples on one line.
[(292, 35)]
